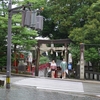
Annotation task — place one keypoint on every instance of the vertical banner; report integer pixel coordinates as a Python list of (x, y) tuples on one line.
[(69, 61), (69, 66)]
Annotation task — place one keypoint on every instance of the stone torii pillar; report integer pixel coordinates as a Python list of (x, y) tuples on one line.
[(37, 59), (81, 60)]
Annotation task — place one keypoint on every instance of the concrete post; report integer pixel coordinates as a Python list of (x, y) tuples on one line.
[(81, 60), (9, 47), (10, 13), (66, 52)]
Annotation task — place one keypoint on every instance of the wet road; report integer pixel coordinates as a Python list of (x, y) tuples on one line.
[(20, 91), (29, 93)]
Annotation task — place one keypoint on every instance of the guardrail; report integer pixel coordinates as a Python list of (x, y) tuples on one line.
[(92, 75)]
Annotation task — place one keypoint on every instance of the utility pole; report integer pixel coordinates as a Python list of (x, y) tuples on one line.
[(8, 73), (38, 23), (11, 11)]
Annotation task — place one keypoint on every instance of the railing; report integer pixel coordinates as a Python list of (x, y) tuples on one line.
[(92, 75)]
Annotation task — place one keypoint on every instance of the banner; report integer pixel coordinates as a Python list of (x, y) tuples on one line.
[(69, 66)]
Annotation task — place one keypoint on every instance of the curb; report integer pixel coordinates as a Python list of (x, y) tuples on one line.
[(67, 79)]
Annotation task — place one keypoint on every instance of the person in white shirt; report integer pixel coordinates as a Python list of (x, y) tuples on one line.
[(53, 67)]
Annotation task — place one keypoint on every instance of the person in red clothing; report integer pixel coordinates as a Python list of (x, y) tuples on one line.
[(53, 67)]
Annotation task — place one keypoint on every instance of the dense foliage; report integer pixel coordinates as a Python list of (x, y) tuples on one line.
[(78, 20), (43, 60), (22, 37)]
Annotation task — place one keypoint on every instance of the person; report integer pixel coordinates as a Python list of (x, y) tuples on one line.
[(63, 66), (53, 67), (69, 64), (69, 58), (30, 62)]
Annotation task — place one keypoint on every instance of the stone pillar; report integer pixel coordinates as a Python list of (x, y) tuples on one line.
[(66, 52), (37, 60), (81, 60)]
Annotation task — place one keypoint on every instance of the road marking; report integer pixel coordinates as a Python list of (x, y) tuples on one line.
[(98, 95), (50, 84)]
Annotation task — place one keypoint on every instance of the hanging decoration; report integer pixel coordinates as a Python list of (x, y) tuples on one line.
[(52, 49), (56, 54), (51, 52), (62, 53), (46, 53)]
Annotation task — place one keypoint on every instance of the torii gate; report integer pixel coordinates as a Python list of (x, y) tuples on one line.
[(58, 41)]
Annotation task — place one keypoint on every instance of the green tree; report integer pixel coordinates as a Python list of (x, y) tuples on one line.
[(89, 32), (91, 54), (68, 15), (21, 36), (3, 34)]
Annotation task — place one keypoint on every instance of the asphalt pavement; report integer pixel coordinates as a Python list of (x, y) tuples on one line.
[(43, 88)]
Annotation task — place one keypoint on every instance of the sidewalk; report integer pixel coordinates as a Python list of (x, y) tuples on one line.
[(69, 79)]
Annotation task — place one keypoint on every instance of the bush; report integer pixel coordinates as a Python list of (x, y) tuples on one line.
[(43, 60)]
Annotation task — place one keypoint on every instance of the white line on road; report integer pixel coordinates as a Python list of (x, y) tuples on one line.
[(98, 95), (50, 84)]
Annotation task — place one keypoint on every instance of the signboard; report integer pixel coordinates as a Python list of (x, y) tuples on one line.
[(69, 66)]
